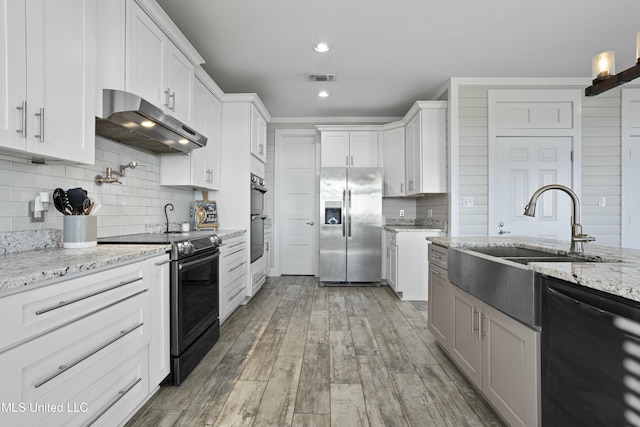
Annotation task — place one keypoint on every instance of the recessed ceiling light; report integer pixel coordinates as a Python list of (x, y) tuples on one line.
[(323, 94), (322, 47)]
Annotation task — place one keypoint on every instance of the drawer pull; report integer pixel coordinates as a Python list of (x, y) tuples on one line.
[(66, 367), (436, 272), (65, 303), (236, 294), (236, 245), (233, 253), (113, 401), (237, 266), (158, 264)]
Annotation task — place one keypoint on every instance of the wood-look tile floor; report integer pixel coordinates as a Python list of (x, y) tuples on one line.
[(302, 355)]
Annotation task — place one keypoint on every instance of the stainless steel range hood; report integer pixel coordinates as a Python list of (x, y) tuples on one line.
[(131, 120)]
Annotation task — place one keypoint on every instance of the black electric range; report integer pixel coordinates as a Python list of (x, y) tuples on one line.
[(194, 294)]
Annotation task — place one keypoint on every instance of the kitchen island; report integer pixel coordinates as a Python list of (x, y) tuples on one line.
[(608, 269)]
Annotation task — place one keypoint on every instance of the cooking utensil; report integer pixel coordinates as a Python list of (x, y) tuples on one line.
[(76, 197), (96, 205), (58, 200)]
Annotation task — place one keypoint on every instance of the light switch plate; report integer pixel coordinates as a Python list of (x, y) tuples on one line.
[(401, 212)]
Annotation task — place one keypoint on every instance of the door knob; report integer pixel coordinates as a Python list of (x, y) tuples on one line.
[(310, 223)]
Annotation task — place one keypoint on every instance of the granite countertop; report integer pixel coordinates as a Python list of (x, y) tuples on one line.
[(34, 267), (229, 234), (619, 274), (411, 228)]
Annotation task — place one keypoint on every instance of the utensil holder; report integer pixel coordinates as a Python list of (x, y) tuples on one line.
[(80, 231)]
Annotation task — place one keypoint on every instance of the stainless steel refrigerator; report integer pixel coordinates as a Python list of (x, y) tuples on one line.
[(350, 225)]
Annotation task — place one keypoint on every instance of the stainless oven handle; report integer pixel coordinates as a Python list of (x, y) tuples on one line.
[(198, 261), (113, 401), (66, 367), (237, 266), (65, 303)]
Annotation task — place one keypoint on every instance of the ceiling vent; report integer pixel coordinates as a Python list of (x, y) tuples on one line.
[(321, 78)]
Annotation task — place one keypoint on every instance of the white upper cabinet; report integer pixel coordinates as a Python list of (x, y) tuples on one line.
[(258, 135), (156, 69), (393, 156), (201, 168), (47, 76), (425, 148), (349, 148)]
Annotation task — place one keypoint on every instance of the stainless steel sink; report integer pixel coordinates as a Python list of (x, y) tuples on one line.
[(525, 256), (499, 276), (506, 285)]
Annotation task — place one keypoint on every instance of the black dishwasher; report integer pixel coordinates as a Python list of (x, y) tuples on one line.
[(590, 365)]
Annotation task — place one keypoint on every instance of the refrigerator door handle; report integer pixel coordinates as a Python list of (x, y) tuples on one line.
[(344, 205), (349, 213)]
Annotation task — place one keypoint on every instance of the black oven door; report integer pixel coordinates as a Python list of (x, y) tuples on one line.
[(194, 298), (257, 199), (257, 236)]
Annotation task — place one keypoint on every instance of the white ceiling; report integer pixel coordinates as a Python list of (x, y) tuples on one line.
[(388, 54)]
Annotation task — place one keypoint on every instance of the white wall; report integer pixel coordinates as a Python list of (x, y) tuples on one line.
[(135, 206), (601, 143)]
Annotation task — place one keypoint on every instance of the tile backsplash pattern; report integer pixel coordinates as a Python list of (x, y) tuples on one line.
[(135, 206)]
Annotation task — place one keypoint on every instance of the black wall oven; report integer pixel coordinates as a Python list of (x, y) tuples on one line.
[(257, 217)]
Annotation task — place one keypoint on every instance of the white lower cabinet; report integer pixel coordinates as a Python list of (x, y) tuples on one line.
[(498, 354), (86, 350), (159, 346), (407, 269), (233, 275)]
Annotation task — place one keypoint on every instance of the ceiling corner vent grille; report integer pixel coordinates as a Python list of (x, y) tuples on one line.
[(321, 77)]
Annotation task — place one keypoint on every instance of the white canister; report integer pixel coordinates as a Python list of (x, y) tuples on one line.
[(80, 231), (185, 227)]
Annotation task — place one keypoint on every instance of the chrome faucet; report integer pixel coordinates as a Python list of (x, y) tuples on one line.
[(576, 229)]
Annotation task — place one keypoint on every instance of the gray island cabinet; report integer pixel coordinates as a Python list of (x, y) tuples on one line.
[(500, 355)]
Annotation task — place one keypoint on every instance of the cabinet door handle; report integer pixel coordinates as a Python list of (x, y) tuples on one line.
[(237, 266), (113, 401), (172, 97), (401, 185), (40, 114), (481, 318), (167, 98), (351, 160), (65, 303), (67, 366), (474, 327), (346, 159), (23, 119)]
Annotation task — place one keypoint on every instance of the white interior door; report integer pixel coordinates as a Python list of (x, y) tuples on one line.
[(296, 195), (630, 220), (525, 164)]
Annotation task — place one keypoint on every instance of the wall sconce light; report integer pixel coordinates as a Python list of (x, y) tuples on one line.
[(604, 72), (39, 206)]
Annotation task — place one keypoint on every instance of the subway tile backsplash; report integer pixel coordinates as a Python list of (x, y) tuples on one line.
[(135, 206)]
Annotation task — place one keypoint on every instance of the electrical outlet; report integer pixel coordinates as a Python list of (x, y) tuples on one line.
[(467, 202), (602, 202), (401, 212), (430, 213)]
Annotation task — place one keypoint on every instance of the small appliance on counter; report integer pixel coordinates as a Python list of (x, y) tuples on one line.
[(204, 213)]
